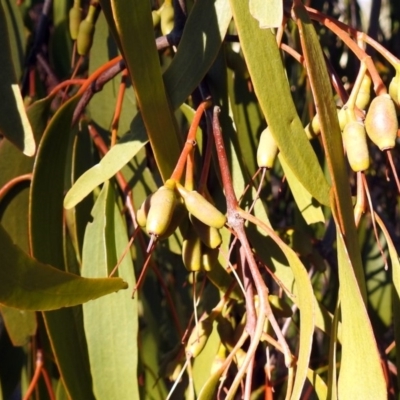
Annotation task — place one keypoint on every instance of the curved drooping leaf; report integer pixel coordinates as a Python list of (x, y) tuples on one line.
[(14, 123), (198, 48), (30, 285), (64, 326), (111, 323), (272, 89)]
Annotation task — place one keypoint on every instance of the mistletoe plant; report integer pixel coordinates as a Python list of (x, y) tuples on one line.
[(197, 201)]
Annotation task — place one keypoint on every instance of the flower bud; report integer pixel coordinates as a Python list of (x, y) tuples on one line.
[(355, 143), (364, 94), (267, 149), (209, 235), (75, 18), (381, 122), (202, 209), (162, 205)]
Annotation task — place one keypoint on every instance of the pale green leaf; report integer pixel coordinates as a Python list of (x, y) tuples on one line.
[(318, 383), (121, 154), (111, 323), (205, 358), (309, 207), (269, 14)]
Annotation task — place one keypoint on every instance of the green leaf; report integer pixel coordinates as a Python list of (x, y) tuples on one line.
[(268, 14), (64, 326), (308, 206), (272, 89), (121, 155), (198, 48), (102, 106), (133, 20), (319, 385), (30, 285), (361, 375), (111, 323), (206, 357)]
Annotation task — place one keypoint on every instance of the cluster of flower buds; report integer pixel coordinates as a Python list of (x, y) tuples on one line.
[(164, 210)]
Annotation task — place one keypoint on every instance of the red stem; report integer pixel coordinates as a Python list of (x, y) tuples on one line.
[(231, 200), (190, 141)]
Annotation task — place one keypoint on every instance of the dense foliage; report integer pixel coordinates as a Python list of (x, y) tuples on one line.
[(199, 200)]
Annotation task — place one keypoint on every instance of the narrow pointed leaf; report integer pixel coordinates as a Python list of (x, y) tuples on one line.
[(64, 326), (133, 21), (111, 323)]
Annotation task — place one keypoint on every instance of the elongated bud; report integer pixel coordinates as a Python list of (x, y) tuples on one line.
[(267, 149), (167, 18), (75, 18), (364, 94), (202, 209), (381, 122), (313, 129), (155, 15), (192, 251), (85, 36), (162, 205), (199, 336), (343, 118), (209, 235), (355, 143), (209, 258), (394, 90)]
